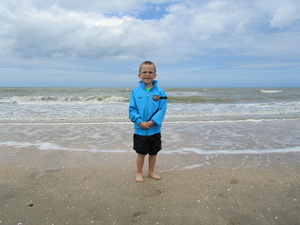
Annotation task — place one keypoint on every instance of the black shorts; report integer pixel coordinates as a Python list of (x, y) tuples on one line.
[(147, 144)]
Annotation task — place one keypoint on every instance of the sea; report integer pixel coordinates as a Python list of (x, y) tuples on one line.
[(202, 121)]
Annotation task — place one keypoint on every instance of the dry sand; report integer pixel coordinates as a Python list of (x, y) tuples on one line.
[(64, 187)]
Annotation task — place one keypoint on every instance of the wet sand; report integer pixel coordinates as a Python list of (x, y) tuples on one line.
[(67, 187)]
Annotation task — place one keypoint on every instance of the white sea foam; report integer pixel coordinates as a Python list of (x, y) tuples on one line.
[(232, 152), (53, 146), (221, 121), (271, 91), (184, 93), (192, 166)]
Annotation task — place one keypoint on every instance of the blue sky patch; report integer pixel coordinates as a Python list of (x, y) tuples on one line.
[(153, 11)]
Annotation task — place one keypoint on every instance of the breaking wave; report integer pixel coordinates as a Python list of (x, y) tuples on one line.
[(95, 99)]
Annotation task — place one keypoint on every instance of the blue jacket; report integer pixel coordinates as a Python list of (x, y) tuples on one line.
[(145, 106)]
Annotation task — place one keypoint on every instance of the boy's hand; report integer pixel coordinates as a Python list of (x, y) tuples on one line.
[(144, 125), (150, 123)]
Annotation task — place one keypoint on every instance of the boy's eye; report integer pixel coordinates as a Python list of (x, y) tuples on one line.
[(149, 72)]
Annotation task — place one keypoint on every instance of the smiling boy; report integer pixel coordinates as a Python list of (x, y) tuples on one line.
[(147, 108)]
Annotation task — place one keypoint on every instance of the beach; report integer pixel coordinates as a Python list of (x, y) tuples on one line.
[(229, 156), (68, 187)]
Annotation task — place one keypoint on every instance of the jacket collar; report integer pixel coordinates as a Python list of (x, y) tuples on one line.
[(142, 84)]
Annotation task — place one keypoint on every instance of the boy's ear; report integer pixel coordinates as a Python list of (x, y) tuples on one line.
[(139, 75)]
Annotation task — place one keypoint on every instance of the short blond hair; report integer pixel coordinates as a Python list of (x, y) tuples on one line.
[(147, 63)]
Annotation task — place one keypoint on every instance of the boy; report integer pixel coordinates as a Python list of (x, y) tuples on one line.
[(147, 108)]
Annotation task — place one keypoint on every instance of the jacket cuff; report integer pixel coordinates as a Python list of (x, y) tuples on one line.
[(138, 121), (154, 123)]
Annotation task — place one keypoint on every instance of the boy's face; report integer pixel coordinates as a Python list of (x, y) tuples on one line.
[(147, 73)]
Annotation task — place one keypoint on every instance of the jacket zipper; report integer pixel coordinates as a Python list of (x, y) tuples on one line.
[(147, 106)]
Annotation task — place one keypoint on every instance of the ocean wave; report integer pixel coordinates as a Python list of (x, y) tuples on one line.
[(184, 93), (198, 99), (95, 99), (271, 91), (228, 121)]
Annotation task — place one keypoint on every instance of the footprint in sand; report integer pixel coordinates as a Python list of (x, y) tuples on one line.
[(136, 216), (222, 195), (234, 181), (154, 193), (157, 192)]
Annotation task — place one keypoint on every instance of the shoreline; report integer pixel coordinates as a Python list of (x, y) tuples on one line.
[(67, 187)]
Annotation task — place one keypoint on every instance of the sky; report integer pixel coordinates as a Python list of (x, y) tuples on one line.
[(194, 43)]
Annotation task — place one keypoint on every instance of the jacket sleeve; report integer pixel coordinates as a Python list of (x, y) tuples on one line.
[(134, 115), (159, 116)]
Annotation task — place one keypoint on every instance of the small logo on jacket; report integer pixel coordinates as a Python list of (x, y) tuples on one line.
[(155, 98)]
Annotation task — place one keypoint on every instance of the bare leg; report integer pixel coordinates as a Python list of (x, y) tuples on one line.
[(152, 161), (139, 165)]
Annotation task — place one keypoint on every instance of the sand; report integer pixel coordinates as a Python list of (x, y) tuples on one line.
[(67, 187)]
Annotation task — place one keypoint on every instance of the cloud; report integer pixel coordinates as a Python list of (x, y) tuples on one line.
[(206, 32), (69, 29), (92, 5), (56, 32), (281, 14)]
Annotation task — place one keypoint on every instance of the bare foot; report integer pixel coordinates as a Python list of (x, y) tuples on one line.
[(139, 178), (154, 176)]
